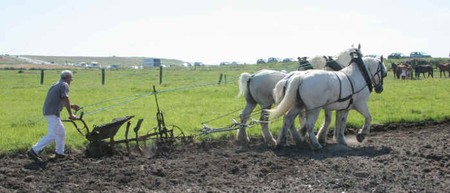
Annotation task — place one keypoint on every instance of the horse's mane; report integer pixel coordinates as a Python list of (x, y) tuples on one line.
[(345, 56), (343, 59), (317, 62)]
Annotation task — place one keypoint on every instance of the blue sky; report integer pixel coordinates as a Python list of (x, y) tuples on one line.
[(222, 30)]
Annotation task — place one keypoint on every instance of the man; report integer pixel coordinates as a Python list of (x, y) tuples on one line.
[(57, 98)]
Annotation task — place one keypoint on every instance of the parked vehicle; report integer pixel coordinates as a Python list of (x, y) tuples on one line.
[(198, 64), (260, 61), (419, 55), (397, 55), (114, 66), (273, 60), (286, 60)]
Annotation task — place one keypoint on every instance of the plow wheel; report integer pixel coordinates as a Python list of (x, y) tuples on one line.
[(166, 138)]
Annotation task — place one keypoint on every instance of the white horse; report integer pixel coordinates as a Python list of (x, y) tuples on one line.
[(340, 91), (258, 89)]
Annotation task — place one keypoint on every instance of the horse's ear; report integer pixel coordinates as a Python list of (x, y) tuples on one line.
[(382, 58), (359, 46)]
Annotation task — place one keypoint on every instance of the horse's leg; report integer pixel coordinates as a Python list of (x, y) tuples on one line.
[(302, 121), (364, 110), (311, 118), (268, 138), (323, 131), (241, 134), (341, 124), (298, 138), (288, 123)]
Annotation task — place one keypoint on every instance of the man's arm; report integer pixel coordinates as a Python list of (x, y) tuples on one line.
[(69, 109)]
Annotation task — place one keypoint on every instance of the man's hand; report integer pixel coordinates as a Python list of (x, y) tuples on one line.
[(72, 117), (75, 107)]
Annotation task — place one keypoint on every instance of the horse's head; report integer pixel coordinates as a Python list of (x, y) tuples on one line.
[(377, 71), (393, 66), (345, 57)]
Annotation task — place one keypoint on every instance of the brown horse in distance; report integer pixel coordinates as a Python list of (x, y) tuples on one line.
[(443, 68)]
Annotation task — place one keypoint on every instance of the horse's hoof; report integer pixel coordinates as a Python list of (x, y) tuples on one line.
[(322, 141), (280, 146), (317, 147), (272, 142), (244, 141), (360, 137)]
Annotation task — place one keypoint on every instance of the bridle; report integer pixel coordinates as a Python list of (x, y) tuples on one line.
[(369, 78), (380, 74)]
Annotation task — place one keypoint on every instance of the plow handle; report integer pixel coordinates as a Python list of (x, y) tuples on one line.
[(76, 126)]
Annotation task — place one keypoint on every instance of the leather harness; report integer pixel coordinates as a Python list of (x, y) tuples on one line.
[(340, 99)]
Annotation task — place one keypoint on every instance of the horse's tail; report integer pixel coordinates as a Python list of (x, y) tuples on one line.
[(289, 99), (278, 91), (318, 62), (243, 81)]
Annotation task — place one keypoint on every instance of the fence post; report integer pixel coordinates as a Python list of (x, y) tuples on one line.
[(103, 76), (225, 78), (220, 78), (160, 75), (42, 77)]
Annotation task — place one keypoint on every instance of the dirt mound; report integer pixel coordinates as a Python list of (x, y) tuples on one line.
[(395, 158)]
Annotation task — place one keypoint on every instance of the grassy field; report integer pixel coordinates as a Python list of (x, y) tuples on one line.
[(185, 105)]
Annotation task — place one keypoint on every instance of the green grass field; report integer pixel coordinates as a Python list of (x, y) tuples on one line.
[(22, 123)]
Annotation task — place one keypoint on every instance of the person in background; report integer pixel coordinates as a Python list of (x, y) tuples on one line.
[(57, 98), (403, 72)]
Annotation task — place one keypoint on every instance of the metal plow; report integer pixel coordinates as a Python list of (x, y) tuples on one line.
[(102, 138)]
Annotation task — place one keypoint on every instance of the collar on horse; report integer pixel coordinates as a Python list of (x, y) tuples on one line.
[(332, 64), (304, 65), (362, 68)]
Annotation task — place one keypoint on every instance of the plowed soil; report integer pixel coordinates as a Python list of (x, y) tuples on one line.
[(395, 158)]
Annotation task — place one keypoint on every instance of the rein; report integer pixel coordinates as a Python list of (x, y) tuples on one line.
[(360, 63)]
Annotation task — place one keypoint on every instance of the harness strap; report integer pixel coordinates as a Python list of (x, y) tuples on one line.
[(360, 63), (340, 99), (286, 83)]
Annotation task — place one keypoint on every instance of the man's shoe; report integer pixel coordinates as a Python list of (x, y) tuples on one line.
[(34, 156), (58, 156)]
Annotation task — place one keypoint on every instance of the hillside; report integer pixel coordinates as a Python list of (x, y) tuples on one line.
[(104, 61), (9, 60)]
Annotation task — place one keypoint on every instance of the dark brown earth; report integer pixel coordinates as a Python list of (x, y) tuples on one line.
[(395, 158)]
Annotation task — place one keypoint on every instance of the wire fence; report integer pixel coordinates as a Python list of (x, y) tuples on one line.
[(123, 100)]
